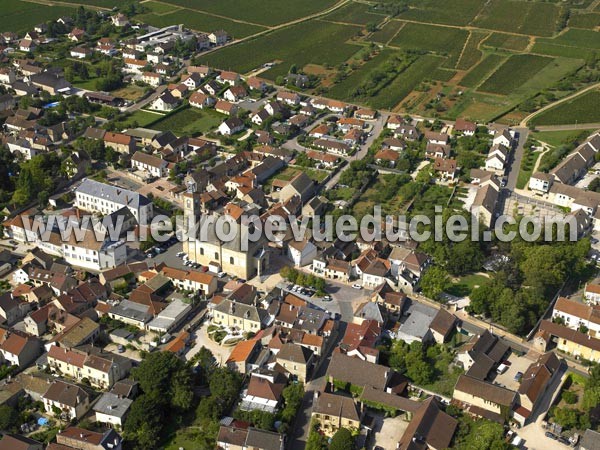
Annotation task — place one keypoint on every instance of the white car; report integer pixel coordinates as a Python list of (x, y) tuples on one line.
[(221, 274), (357, 286)]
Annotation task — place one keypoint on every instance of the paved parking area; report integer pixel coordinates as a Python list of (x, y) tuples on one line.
[(517, 364), (200, 339), (388, 431)]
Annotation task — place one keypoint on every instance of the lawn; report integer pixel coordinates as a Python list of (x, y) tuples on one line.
[(515, 71), (20, 16), (130, 92), (507, 41), (463, 286), (582, 109), (290, 172), (201, 22), (558, 138), (108, 4), (527, 164), (354, 13), (264, 12), (315, 42), (482, 70), (459, 12), (141, 118), (387, 32), (471, 54), (531, 18), (431, 38), (190, 121)]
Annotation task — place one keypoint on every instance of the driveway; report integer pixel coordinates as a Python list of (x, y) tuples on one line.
[(388, 431), (517, 157)]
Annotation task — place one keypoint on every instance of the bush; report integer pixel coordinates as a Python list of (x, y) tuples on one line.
[(569, 397)]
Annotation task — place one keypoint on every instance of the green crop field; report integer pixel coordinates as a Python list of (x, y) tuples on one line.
[(590, 20), (108, 4), (22, 16), (482, 70), (581, 109), (577, 38), (385, 34), (354, 13), (545, 48), (314, 42), (264, 12), (515, 71), (535, 18), (160, 8), (200, 21), (441, 74), (471, 54), (459, 12), (431, 38), (190, 121), (507, 41)]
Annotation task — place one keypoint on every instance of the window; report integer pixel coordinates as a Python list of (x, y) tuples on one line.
[(217, 256), (231, 260)]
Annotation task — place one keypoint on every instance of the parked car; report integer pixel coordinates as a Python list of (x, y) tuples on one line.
[(327, 298), (357, 286), (221, 274), (121, 348), (551, 435), (518, 376)]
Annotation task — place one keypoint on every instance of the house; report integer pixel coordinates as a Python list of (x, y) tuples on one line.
[(386, 156), (437, 138), (332, 412), (235, 93), (70, 399), (393, 144), (119, 142), (465, 127), (301, 253), (218, 37), (296, 360), (27, 45), (264, 391), (234, 438), (18, 442), (7, 75), (483, 399), (256, 84), (482, 354), (592, 293), (365, 114), (446, 168), (119, 20), (11, 309), (577, 315), (231, 126), (155, 166), (442, 326), (485, 201), (572, 342), (80, 52), (103, 198), (433, 151), (166, 102), (346, 370), (535, 382), (429, 428), (326, 159), (170, 317), (337, 147), (541, 182), (19, 349), (151, 78), (247, 318), (200, 100), (231, 78), (79, 438), (241, 355), (289, 98), (199, 282), (497, 159), (227, 108), (53, 83), (415, 322), (301, 185), (111, 409), (503, 137), (131, 313), (212, 87), (332, 268), (76, 35)]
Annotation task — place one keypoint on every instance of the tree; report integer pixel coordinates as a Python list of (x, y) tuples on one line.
[(315, 441), (342, 440), (9, 418), (464, 257), (144, 421), (434, 282)]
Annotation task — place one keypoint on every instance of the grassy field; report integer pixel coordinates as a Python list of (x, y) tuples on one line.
[(200, 21), (139, 118), (515, 71), (463, 286), (265, 12), (354, 13), (471, 54), (108, 4), (535, 18), (442, 74), (387, 32), (590, 20), (190, 121), (527, 164), (313, 42), (558, 138), (22, 16), (581, 109), (547, 48), (459, 12), (129, 92), (507, 41), (431, 38), (482, 70)]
